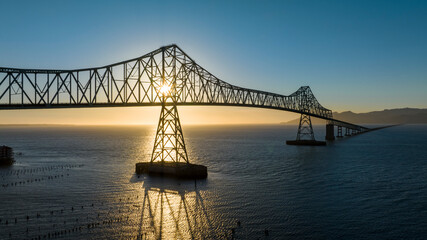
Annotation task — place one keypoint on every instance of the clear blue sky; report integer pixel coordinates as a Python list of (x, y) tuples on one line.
[(355, 55)]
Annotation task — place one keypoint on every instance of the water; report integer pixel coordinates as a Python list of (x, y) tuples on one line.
[(78, 182)]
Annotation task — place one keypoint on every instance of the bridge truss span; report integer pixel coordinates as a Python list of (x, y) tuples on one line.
[(138, 82), (166, 77)]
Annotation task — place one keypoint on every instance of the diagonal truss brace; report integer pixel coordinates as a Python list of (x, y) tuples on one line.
[(169, 145), (305, 129)]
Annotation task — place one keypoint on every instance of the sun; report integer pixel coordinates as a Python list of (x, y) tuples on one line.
[(165, 89)]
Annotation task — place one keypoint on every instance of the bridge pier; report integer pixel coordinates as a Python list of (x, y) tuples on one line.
[(169, 157), (347, 132), (339, 131), (305, 135), (330, 136)]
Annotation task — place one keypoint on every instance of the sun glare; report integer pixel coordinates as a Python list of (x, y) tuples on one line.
[(165, 89)]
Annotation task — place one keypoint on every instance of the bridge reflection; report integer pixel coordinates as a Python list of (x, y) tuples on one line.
[(176, 211)]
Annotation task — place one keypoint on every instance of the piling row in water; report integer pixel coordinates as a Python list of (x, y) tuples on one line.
[(28, 181), (79, 228), (55, 234), (26, 218), (40, 169), (104, 219)]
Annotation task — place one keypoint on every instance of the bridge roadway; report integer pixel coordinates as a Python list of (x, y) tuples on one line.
[(139, 82)]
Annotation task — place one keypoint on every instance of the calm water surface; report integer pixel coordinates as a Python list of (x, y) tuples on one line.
[(78, 182)]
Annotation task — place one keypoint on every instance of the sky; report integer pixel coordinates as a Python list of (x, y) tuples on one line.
[(356, 56)]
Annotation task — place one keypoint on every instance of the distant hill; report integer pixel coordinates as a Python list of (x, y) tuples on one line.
[(387, 116)]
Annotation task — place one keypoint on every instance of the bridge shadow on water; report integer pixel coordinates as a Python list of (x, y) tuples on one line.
[(176, 209)]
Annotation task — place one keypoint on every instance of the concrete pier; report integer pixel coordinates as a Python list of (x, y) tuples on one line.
[(330, 136), (172, 169)]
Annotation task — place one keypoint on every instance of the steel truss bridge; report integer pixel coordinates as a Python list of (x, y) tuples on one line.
[(166, 77)]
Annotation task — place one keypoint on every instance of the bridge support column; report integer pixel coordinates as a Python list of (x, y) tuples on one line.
[(305, 135), (169, 157), (169, 145), (330, 136), (339, 131), (347, 132)]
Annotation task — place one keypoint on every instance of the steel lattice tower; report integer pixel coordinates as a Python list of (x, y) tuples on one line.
[(305, 129), (169, 145)]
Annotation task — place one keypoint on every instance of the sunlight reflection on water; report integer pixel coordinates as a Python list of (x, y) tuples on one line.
[(79, 183), (175, 213)]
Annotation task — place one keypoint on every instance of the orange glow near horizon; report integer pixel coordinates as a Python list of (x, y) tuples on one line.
[(189, 115)]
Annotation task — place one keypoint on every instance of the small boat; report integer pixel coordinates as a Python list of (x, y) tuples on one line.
[(6, 156)]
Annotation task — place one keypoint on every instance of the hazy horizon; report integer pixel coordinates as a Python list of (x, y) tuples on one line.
[(189, 115)]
